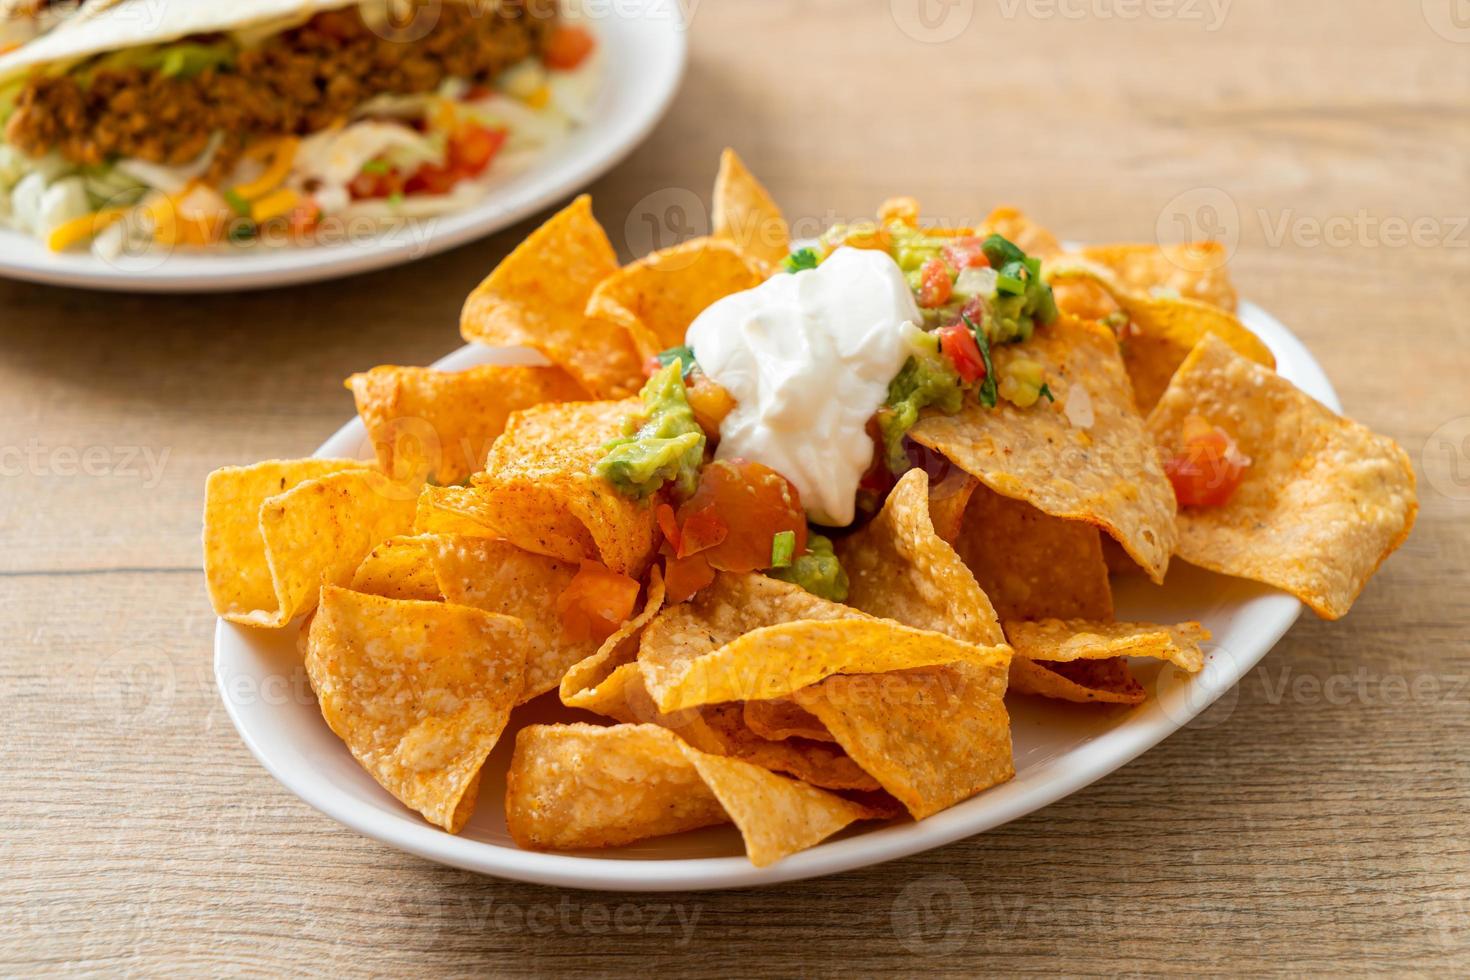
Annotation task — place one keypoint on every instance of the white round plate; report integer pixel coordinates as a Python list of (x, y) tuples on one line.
[(1059, 748), (643, 50)]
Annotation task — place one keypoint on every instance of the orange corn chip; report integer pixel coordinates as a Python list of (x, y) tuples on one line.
[(539, 491), (452, 510), (783, 718), (1194, 270), (659, 295), (745, 213), (900, 569), (440, 424), (931, 737), (579, 786), (1324, 500), (399, 568), (537, 297), (1032, 565), (1032, 239), (947, 501), (1082, 681), (419, 691), (314, 531), (1086, 457), (1063, 640)]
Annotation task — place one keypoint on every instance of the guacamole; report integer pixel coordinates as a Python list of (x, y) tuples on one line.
[(663, 445), (818, 571), (925, 379)]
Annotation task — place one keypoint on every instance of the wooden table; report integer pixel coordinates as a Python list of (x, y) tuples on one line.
[(1317, 819)]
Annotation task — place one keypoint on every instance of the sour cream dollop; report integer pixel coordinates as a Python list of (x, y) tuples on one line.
[(808, 358)]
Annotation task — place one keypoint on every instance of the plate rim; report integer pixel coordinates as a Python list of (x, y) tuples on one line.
[(621, 134), (1071, 771)]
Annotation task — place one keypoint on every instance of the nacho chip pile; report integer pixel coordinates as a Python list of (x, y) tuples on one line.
[(481, 562)]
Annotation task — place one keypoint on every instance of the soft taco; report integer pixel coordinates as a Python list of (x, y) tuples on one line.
[(276, 121)]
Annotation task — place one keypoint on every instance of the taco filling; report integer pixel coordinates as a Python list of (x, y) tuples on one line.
[(266, 130)]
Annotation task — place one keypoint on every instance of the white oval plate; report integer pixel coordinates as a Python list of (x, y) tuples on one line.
[(1059, 748), (643, 50)]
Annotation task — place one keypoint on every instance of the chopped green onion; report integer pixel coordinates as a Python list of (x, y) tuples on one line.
[(1011, 278), (988, 391), (684, 354), (1046, 392), (237, 203), (800, 260), (377, 168), (783, 549), (1001, 251)]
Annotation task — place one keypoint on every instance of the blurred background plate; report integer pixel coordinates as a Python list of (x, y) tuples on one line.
[(643, 46), (1059, 748)]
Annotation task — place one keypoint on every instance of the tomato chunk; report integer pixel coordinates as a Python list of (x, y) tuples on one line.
[(473, 147), (709, 401), (958, 344), (753, 502), (965, 253), (685, 576), (596, 602), (1208, 467), (935, 284), (568, 47)]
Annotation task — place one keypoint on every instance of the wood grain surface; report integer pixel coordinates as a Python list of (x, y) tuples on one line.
[(1316, 819)]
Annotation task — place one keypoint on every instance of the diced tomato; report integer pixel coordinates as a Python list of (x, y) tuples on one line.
[(754, 503), (965, 253), (303, 218), (568, 47), (936, 285), (596, 602), (1208, 467), (668, 524), (709, 401), (477, 92), (431, 179), (685, 576), (958, 344), (701, 530), (376, 185), (473, 146)]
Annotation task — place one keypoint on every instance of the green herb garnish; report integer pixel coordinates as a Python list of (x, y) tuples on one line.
[(783, 549), (987, 390), (800, 260)]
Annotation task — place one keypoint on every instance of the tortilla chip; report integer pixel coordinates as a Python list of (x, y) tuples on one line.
[(537, 297), (947, 501), (266, 556), (1062, 640), (452, 510), (500, 578), (659, 295), (1194, 270), (539, 492), (775, 661), (580, 786), (235, 567), (1106, 681), (439, 425), (783, 718), (1085, 457), (1021, 231), (419, 691), (579, 685), (1324, 500), (1032, 565), (931, 737), (899, 569), (399, 568), (745, 213)]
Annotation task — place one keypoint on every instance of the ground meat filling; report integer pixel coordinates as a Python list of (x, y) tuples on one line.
[(298, 82)]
